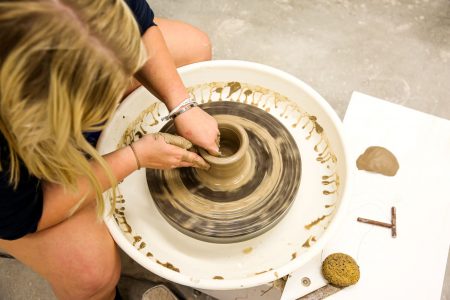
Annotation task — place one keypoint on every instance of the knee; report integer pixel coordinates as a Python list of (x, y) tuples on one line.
[(198, 48), (91, 274), (204, 47), (97, 277)]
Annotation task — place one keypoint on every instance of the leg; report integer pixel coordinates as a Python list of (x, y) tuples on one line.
[(186, 44), (78, 257)]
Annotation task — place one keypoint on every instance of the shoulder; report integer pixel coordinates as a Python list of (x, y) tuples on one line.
[(143, 14)]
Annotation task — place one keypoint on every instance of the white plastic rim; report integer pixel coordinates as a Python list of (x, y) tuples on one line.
[(226, 69)]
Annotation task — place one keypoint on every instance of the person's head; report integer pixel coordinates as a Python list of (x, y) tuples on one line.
[(64, 65)]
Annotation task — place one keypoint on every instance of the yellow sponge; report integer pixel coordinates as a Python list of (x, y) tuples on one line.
[(340, 269)]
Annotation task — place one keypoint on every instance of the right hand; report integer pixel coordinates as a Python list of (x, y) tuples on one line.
[(200, 128), (167, 151)]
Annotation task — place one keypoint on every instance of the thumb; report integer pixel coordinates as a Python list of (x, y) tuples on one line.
[(175, 140), (214, 151)]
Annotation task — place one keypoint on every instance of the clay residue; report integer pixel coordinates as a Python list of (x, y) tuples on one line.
[(378, 160), (142, 246), (139, 127), (168, 265), (122, 221), (247, 250), (315, 222), (280, 283), (294, 255), (262, 272), (137, 239), (218, 277), (234, 87), (307, 243), (174, 140)]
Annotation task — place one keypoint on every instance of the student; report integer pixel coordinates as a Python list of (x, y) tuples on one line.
[(64, 66)]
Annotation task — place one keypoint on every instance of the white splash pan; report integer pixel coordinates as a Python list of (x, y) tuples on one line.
[(140, 230)]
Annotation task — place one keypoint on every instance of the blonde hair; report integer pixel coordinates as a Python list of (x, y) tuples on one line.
[(64, 65)]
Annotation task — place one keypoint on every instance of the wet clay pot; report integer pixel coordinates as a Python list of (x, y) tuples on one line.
[(233, 168)]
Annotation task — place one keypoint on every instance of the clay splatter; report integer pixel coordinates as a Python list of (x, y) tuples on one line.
[(315, 222), (137, 239), (262, 272), (247, 250), (307, 243), (168, 265)]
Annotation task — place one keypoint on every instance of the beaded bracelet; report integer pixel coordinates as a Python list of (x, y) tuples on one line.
[(179, 109)]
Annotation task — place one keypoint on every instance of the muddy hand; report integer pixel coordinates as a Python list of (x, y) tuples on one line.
[(200, 128), (175, 140), (167, 151), (188, 156)]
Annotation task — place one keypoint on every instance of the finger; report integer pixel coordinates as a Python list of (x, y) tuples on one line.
[(217, 141), (186, 164), (176, 140), (214, 150), (195, 160), (186, 157)]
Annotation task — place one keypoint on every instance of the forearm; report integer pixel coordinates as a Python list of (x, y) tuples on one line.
[(58, 201), (159, 74)]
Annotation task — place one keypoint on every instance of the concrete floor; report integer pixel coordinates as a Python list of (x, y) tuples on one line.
[(398, 50)]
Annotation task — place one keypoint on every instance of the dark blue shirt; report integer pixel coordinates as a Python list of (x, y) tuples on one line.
[(142, 13), (21, 208)]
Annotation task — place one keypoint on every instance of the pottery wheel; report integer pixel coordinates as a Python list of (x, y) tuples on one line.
[(226, 212)]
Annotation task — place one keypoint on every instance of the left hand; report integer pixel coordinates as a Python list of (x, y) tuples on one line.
[(166, 151), (200, 128)]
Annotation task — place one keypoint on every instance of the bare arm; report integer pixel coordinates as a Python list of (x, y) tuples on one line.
[(58, 201), (160, 76), (153, 151), (159, 73)]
